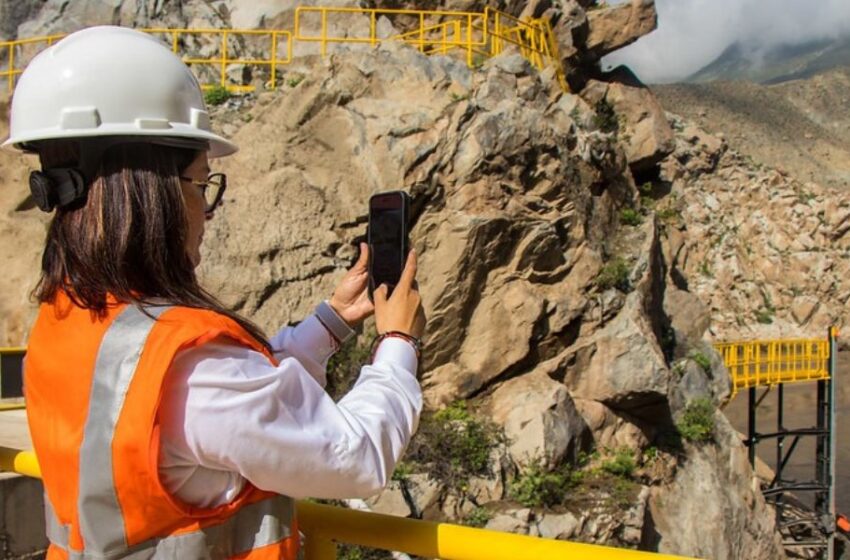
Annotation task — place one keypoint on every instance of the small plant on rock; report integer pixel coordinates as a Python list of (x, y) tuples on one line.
[(478, 517), (295, 80), (615, 274), (701, 360), (606, 118), (217, 95), (453, 446), (764, 315), (697, 422), (620, 463), (630, 217), (538, 487)]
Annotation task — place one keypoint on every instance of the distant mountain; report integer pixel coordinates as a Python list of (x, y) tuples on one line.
[(776, 65)]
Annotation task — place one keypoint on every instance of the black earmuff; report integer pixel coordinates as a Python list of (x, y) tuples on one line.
[(52, 188)]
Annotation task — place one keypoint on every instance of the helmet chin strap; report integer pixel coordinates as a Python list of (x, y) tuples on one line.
[(58, 187)]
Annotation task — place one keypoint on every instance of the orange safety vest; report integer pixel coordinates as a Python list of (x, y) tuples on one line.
[(92, 389)]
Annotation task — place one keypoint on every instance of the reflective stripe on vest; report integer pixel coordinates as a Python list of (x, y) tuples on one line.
[(256, 525), (101, 521)]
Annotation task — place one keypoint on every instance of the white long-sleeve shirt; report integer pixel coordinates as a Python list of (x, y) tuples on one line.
[(228, 415)]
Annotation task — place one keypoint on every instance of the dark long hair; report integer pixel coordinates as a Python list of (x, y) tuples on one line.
[(127, 239)]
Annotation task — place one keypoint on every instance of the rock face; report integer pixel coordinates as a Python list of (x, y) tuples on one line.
[(690, 502), (617, 26), (637, 117), (22, 230), (764, 252)]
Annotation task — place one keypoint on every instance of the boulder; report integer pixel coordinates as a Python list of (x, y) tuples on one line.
[(689, 317), (539, 418), (641, 122), (562, 526), (390, 501), (615, 26), (612, 429), (713, 489), (511, 521)]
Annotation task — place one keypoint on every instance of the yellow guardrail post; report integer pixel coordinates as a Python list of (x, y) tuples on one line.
[(223, 58), (273, 70), (11, 68), (324, 32), (21, 462)]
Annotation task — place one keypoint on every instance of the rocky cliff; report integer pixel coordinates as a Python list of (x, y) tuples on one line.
[(569, 267)]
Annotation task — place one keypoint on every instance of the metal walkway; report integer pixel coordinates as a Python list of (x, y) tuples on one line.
[(769, 365), (476, 36)]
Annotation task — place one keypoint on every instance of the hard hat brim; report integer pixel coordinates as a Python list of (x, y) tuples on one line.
[(218, 146)]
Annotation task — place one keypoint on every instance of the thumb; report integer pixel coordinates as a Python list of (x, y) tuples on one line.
[(363, 261)]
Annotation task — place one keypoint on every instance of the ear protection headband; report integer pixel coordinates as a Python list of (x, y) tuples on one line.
[(60, 186), (57, 187)]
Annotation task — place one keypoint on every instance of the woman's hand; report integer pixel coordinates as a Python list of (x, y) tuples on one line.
[(403, 310), (350, 299)]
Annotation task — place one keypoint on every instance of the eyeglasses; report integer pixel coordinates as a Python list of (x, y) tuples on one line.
[(212, 189)]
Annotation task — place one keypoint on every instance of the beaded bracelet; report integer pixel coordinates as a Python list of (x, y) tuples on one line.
[(412, 340)]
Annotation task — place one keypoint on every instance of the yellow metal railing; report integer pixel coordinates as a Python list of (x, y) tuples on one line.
[(471, 28), (276, 39), (325, 526), (478, 35), (770, 362)]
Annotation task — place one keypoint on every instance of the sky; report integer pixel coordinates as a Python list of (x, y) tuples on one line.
[(692, 33)]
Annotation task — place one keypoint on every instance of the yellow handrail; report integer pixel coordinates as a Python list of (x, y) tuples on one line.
[(437, 32), (277, 37), (324, 526), (770, 362)]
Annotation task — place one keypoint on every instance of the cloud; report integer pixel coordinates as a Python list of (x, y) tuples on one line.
[(692, 33)]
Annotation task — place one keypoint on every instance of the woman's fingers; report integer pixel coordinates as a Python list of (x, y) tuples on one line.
[(380, 296), (408, 275)]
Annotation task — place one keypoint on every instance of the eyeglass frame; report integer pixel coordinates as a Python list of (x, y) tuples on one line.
[(209, 207)]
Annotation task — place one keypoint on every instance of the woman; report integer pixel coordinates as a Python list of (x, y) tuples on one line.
[(167, 426)]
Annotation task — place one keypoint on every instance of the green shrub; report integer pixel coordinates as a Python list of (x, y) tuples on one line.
[(453, 446), (697, 422), (623, 493), (630, 217), (402, 471), (217, 95), (621, 463), (701, 360), (605, 118), (537, 487), (764, 315), (615, 274), (295, 80), (477, 517)]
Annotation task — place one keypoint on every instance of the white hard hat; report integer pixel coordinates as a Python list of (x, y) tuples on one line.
[(110, 81)]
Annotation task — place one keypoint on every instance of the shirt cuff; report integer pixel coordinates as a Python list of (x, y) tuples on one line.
[(312, 341), (398, 352), (335, 325)]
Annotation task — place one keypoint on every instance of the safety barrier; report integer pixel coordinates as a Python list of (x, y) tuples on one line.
[(478, 35), (175, 37), (325, 526), (771, 362)]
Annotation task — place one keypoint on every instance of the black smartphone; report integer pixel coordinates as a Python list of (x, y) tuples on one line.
[(387, 236)]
